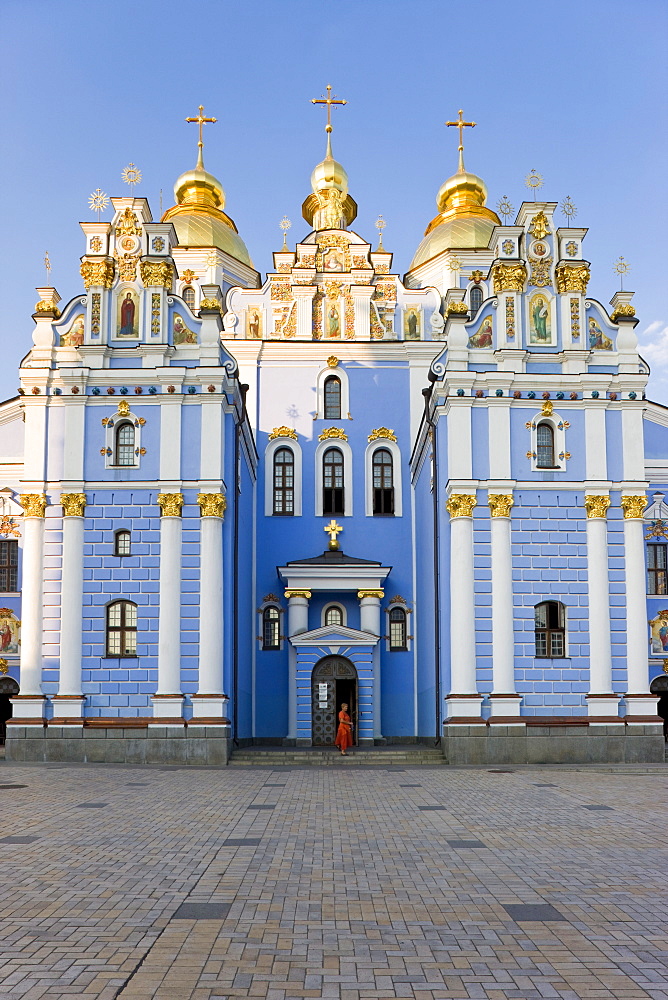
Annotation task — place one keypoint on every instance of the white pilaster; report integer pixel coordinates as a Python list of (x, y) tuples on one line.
[(499, 441), (170, 439), (69, 701), (504, 697), (370, 622), (595, 444), (297, 622), (168, 700), (601, 702), (30, 703), (210, 701), (638, 700), (459, 440), (463, 700)]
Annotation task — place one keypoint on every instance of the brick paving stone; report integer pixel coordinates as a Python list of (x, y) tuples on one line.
[(351, 890)]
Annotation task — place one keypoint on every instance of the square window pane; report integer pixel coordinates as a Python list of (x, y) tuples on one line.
[(114, 644), (541, 644)]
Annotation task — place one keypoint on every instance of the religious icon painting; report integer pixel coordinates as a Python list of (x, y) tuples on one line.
[(483, 335), (254, 324), (127, 321), (334, 260), (412, 326), (597, 339), (332, 320), (540, 323), (182, 334), (658, 634), (10, 633), (74, 337)]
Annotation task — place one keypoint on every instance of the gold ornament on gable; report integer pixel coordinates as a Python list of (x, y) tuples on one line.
[(127, 265), (456, 309), (541, 273), (281, 291), (572, 278), (212, 304), (508, 277), (128, 224), (123, 407), (539, 227), (625, 309)]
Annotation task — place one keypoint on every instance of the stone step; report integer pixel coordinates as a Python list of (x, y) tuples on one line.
[(314, 756)]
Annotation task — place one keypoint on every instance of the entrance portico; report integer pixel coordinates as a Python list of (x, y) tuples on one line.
[(333, 573)]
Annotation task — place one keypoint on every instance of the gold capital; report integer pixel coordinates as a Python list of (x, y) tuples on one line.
[(97, 273), (34, 504), (361, 594), (460, 504), (212, 504), (500, 504), (509, 277), (74, 504), (572, 278), (306, 594), (170, 504), (596, 506), (633, 507), (157, 273)]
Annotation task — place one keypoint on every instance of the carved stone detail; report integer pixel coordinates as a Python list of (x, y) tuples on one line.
[(508, 277), (596, 506), (461, 504), (170, 504), (74, 504), (212, 504), (97, 273), (34, 504)]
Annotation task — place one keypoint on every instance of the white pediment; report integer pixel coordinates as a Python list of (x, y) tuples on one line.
[(334, 636)]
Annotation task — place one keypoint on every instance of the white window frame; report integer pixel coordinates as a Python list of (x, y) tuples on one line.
[(558, 425), (555, 600), (272, 447), (271, 603), (334, 604), (395, 451), (110, 439), (322, 376), (409, 638), (347, 453)]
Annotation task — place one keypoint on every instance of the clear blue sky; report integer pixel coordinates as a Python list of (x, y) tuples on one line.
[(576, 90)]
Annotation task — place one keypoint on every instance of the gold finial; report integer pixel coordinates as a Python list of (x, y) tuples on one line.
[(328, 101), (200, 119), (380, 225), (98, 201), (621, 267), (285, 224), (131, 175), (533, 181), (505, 209), (568, 208), (47, 266), (332, 530), (461, 125)]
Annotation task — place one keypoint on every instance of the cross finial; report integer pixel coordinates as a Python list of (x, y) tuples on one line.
[(328, 102), (332, 530), (461, 125), (200, 119)]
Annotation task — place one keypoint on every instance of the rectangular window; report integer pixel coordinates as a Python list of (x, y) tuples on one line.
[(383, 500), (332, 501), (656, 569), (9, 561)]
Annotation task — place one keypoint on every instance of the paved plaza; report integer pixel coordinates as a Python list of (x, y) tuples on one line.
[(351, 883)]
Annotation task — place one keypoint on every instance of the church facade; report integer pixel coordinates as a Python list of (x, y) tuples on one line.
[(232, 502)]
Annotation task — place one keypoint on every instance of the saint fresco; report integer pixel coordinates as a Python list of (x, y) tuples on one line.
[(182, 333), (412, 324), (597, 339), (334, 260), (333, 321), (540, 326), (74, 337), (10, 633), (658, 631), (128, 314), (254, 324), (483, 335)]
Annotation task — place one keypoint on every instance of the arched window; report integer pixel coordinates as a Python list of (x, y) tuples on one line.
[(334, 615), (550, 625), (122, 543), (189, 296), (383, 482), (271, 632), (332, 483), (544, 446), (475, 299), (332, 398), (122, 629), (398, 631), (284, 481), (9, 562), (125, 444), (657, 569)]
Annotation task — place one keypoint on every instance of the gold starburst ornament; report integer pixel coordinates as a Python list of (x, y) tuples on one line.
[(621, 267), (504, 208), (98, 202), (284, 225), (131, 175), (534, 181), (568, 208)]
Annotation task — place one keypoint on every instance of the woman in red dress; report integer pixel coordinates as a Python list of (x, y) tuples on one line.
[(344, 735)]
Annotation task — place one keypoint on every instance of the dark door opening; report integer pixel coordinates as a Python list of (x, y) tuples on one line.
[(346, 691), (8, 688), (334, 681)]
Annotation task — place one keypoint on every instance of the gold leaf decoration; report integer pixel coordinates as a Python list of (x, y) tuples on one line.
[(382, 432), (170, 504), (460, 504), (283, 432), (74, 504), (333, 432), (212, 504)]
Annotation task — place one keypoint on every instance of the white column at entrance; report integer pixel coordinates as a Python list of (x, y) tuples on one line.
[(297, 622), (168, 700), (210, 702), (463, 701), (29, 704), (69, 700), (504, 698), (370, 622), (602, 703), (639, 702)]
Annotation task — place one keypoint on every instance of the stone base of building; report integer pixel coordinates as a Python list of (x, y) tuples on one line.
[(552, 741), (147, 743)]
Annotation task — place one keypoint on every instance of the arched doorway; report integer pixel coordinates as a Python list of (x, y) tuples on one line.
[(8, 689), (334, 680), (659, 687)]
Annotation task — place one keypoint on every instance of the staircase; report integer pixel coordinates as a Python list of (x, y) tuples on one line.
[(385, 756)]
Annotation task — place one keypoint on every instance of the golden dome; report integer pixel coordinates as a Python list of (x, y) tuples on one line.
[(198, 216), (463, 222), (330, 198)]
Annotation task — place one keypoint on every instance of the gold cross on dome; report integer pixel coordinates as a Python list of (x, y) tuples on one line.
[(200, 121), (461, 125), (332, 530), (328, 101)]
